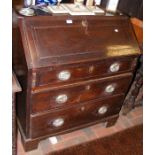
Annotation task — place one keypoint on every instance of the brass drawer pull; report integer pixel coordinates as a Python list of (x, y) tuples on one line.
[(102, 110), (116, 30), (110, 89), (115, 67), (58, 122), (64, 75), (61, 98)]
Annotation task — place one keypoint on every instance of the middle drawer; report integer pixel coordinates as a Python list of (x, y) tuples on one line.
[(77, 93)]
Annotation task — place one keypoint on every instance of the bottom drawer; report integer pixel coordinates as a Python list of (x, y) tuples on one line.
[(65, 119)]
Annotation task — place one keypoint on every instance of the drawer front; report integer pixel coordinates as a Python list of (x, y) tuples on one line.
[(60, 120), (72, 73), (69, 96)]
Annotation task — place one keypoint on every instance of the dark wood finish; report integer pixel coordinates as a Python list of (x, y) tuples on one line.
[(18, 59), (77, 42), (81, 93), (17, 2), (15, 88), (76, 115), (20, 69), (86, 49), (112, 121), (80, 72), (30, 144)]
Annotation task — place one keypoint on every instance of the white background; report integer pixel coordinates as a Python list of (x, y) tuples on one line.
[(6, 77)]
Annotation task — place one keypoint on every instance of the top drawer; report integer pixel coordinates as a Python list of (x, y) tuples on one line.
[(72, 73)]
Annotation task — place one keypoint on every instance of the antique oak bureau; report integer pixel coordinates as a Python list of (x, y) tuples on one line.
[(77, 72)]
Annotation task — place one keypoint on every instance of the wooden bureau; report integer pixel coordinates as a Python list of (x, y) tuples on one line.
[(77, 71)]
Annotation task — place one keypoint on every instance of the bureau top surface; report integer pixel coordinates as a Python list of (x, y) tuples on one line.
[(56, 40)]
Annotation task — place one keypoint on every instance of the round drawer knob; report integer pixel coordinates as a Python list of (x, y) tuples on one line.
[(102, 110), (58, 122), (109, 89), (61, 98), (114, 67), (64, 75), (116, 30)]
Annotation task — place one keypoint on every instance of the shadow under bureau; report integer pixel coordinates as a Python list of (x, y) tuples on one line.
[(77, 71)]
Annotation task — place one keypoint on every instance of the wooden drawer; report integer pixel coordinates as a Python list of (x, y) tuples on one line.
[(72, 73), (61, 120), (75, 94)]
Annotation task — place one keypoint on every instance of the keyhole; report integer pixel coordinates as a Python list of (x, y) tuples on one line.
[(82, 108)]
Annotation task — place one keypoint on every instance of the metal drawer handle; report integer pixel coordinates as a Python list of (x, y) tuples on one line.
[(61, 98), (58, 122), (115, 67), (64, 75), (102, 110), (110, 89), (116, 30)]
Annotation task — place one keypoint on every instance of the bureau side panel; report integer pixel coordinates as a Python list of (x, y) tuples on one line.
[(22, 73)]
